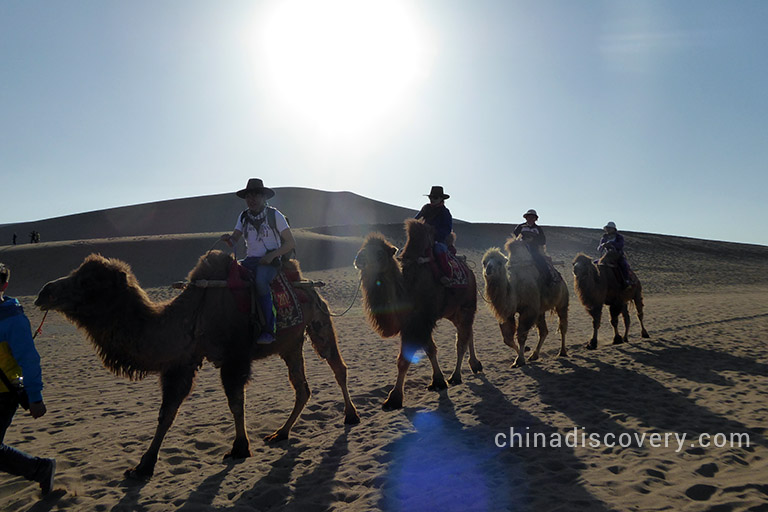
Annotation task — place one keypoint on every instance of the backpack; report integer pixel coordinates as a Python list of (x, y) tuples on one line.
[(272, 223)]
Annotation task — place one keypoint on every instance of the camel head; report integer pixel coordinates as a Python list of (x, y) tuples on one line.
[(420, 239), (376, 255), (90, 290), (582, 265), (494, 265)]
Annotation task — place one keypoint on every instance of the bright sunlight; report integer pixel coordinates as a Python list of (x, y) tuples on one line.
[(343, 68)]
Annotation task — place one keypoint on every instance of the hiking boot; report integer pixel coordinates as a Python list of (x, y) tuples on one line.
[(265, 338), (45, 479)]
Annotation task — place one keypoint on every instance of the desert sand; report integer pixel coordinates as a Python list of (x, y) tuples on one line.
[(703, 371)]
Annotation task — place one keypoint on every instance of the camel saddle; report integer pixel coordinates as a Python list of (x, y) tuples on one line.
[(286, 298), (458, 277), (617, 273)]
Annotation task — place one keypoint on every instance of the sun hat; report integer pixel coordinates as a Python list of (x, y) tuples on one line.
[(255, 185), (437, 191), (531, 212), (610, 225)]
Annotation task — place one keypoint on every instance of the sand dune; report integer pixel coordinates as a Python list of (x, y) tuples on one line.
[(704, 371)]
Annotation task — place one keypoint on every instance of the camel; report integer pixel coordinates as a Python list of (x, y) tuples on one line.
[(135, 336), (405, 297), (513, 287), (599, 284)]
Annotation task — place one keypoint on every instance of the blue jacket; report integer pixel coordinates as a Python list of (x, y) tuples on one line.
[(17, 348), (439, 217)]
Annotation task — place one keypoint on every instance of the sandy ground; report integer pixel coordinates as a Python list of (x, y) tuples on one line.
[(704, 371)]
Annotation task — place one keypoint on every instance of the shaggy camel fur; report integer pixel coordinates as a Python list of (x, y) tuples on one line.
[(404, 297), (599, 284), (135, 337), (513, 286)]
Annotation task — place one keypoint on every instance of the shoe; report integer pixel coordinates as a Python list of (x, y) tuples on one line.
[(46, 477), (445, 281), (265, 338)]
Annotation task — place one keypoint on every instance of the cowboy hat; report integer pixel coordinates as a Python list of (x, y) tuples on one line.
[(437, 191), (255, 185), (531, 212)]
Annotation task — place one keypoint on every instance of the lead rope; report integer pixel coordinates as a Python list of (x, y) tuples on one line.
[(359, 284), (40, 327)]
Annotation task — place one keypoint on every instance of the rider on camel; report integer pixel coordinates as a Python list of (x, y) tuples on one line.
[(439, 217), (611, 237), (533, 236)]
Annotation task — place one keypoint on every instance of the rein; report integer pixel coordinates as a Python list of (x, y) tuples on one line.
[(357, 291), (40, 327)]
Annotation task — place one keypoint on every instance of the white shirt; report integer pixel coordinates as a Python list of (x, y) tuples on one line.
[(260, 242)]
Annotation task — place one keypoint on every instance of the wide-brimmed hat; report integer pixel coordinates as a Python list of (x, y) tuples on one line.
[(610, 225), (531, 212), (437, 191), (255, 185)]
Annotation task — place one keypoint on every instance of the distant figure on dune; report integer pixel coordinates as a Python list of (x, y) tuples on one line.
[(533, 236), (439, 217), (613, 239), (19, 358), (267, 238)]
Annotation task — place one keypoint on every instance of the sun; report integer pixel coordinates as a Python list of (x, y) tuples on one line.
[(342, 68)]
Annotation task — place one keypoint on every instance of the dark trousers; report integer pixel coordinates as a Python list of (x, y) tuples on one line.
[(15, 461)]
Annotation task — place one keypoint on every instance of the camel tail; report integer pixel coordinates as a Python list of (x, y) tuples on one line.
[(321, 331)]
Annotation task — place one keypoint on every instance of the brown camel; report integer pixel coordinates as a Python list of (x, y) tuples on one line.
[(513, 286), (135, 337), (405, 297), (600, 284)]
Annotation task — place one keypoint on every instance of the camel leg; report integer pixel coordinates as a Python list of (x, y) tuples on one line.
[(438, 380), (541, 324), (527, 320), (234, 376), (615, 310), (474, 362), (323, 337), (625, 315), (596, 314), (395, 398), (464, 341), (508, 333), (562, 315), (294, 359), (639, 306), (176, 384)]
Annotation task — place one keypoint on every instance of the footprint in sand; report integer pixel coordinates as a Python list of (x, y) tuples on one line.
[(708, 470), (700, 492)]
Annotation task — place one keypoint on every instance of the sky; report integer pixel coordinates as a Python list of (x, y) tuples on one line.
[(652, 114)]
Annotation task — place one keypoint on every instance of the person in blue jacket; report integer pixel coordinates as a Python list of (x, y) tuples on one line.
[(20, 363), (439, 217), (611, 237)]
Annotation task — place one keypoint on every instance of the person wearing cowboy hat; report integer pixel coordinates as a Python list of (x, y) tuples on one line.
[(613, 239), (533, 236), (267, 238), (439, 217)]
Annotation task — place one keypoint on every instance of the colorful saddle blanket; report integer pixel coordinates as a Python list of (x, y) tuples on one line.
[(285, 299), (459, 271)]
